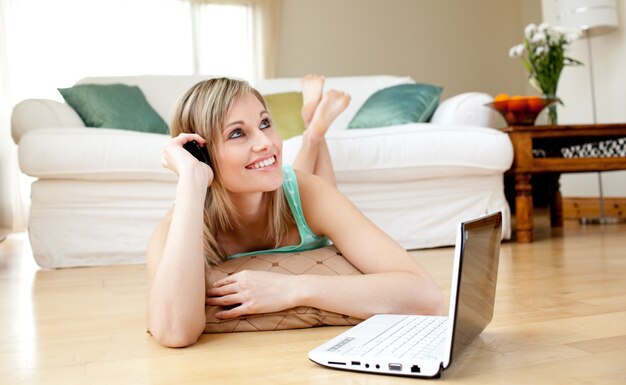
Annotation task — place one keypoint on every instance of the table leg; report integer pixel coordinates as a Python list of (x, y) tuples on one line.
[(556, 201), (524, 208)]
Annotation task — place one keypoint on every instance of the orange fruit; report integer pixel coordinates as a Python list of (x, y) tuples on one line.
[(510, 118), (518, 104), (501, 97), (535, 103), (501, 102)]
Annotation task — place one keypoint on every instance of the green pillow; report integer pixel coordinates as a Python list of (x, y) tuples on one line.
[(114, 106), (286, 111), (401, 104)]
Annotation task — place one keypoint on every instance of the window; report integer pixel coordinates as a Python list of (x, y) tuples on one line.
[(55, 43)]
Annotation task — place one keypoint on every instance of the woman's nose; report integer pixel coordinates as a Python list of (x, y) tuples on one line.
[(261, 141)]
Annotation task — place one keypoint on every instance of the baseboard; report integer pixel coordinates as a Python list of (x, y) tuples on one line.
[(577, 207)]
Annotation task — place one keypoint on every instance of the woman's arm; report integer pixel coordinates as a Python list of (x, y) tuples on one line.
[(175, 254), (392, 282)]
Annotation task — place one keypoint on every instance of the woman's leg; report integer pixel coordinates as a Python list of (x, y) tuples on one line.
[(318, 113)]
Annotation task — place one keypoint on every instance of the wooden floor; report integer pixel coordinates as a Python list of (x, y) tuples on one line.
[(560, 319)]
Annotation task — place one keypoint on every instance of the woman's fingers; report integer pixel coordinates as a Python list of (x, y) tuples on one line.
[(226, 300), (220, 291), (235, 312), (183, 138)]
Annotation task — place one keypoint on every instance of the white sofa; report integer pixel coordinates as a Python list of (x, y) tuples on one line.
[(99, 192)]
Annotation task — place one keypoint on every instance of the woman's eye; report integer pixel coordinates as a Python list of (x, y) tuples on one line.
[(236, 133), (265, 123)]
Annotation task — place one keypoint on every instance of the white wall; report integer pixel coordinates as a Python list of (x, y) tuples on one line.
[(458, 44), (609, 69)]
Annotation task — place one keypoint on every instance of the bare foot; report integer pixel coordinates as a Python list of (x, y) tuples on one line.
[(332, 104), (312, 86)]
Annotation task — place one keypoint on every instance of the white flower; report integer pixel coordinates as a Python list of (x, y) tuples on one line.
[(516, 51), (543, 27), (530, 30), (571, 36), (540, 50), (539, 37)]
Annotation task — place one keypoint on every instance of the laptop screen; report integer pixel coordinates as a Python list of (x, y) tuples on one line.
[(477, 279)]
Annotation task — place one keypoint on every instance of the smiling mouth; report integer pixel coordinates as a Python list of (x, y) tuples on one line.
[(264, 163)]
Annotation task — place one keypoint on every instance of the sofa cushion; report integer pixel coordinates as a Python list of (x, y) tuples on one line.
[(103, 154), (401, 104), (161, 91), (285, 109), (412, 152), (114, 106)]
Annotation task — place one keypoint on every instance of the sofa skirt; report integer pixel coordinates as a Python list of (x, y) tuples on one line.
[(89, 223), (425, 213)]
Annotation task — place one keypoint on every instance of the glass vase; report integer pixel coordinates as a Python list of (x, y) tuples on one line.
[(552, 113)]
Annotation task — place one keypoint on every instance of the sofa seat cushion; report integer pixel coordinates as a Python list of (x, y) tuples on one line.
[(102, 154), (396, 153), (414, 151)]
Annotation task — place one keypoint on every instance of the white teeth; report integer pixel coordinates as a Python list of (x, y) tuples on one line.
[(265, 163)]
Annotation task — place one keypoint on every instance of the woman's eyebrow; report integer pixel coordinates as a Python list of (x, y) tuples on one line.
[(241, 121), (233, 123)]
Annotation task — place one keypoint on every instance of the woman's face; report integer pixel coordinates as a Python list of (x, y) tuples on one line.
[(249, 156)]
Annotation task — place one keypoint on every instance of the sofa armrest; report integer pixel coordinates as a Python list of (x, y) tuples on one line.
[(466, 109), (41, 113)]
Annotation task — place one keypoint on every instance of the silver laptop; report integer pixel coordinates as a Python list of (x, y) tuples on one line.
[(423, 346)]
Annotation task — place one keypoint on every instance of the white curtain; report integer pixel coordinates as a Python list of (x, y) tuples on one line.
[(34, 63), (12, 209), (265, 25)]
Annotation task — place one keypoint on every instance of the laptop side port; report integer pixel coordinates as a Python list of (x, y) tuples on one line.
[(395, 367), (356, 363), (336, 363), (415, 369)]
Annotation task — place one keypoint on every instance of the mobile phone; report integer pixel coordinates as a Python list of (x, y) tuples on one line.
[(198, 152)]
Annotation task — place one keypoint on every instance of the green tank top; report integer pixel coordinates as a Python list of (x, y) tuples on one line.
[(308, 240)]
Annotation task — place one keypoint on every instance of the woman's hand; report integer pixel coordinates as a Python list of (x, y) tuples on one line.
[(252, 292), (175, 158)]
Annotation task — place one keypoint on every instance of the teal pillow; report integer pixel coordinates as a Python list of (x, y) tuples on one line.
[(114, 106), (401, 104)]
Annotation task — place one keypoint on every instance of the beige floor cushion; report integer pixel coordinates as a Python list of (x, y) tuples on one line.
[(324, 261)]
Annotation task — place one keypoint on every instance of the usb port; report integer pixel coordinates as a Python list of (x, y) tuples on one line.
[(356, 363), (395, 367)]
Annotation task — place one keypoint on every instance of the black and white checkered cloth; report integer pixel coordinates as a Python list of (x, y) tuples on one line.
[(602, 149)]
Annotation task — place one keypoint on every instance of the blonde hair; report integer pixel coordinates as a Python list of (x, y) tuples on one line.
[(203, 110)]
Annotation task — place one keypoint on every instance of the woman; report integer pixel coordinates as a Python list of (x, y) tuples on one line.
[(240, 204)]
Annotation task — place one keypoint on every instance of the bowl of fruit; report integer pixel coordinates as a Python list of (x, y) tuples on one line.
[(520, 110)]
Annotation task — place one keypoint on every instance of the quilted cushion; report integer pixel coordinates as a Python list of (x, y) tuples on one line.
[(324, 261)]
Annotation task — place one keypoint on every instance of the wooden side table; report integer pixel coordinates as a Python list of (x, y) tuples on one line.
[(525, 164)]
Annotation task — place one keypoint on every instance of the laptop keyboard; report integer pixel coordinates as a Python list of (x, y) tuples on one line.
[(413, 337)]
